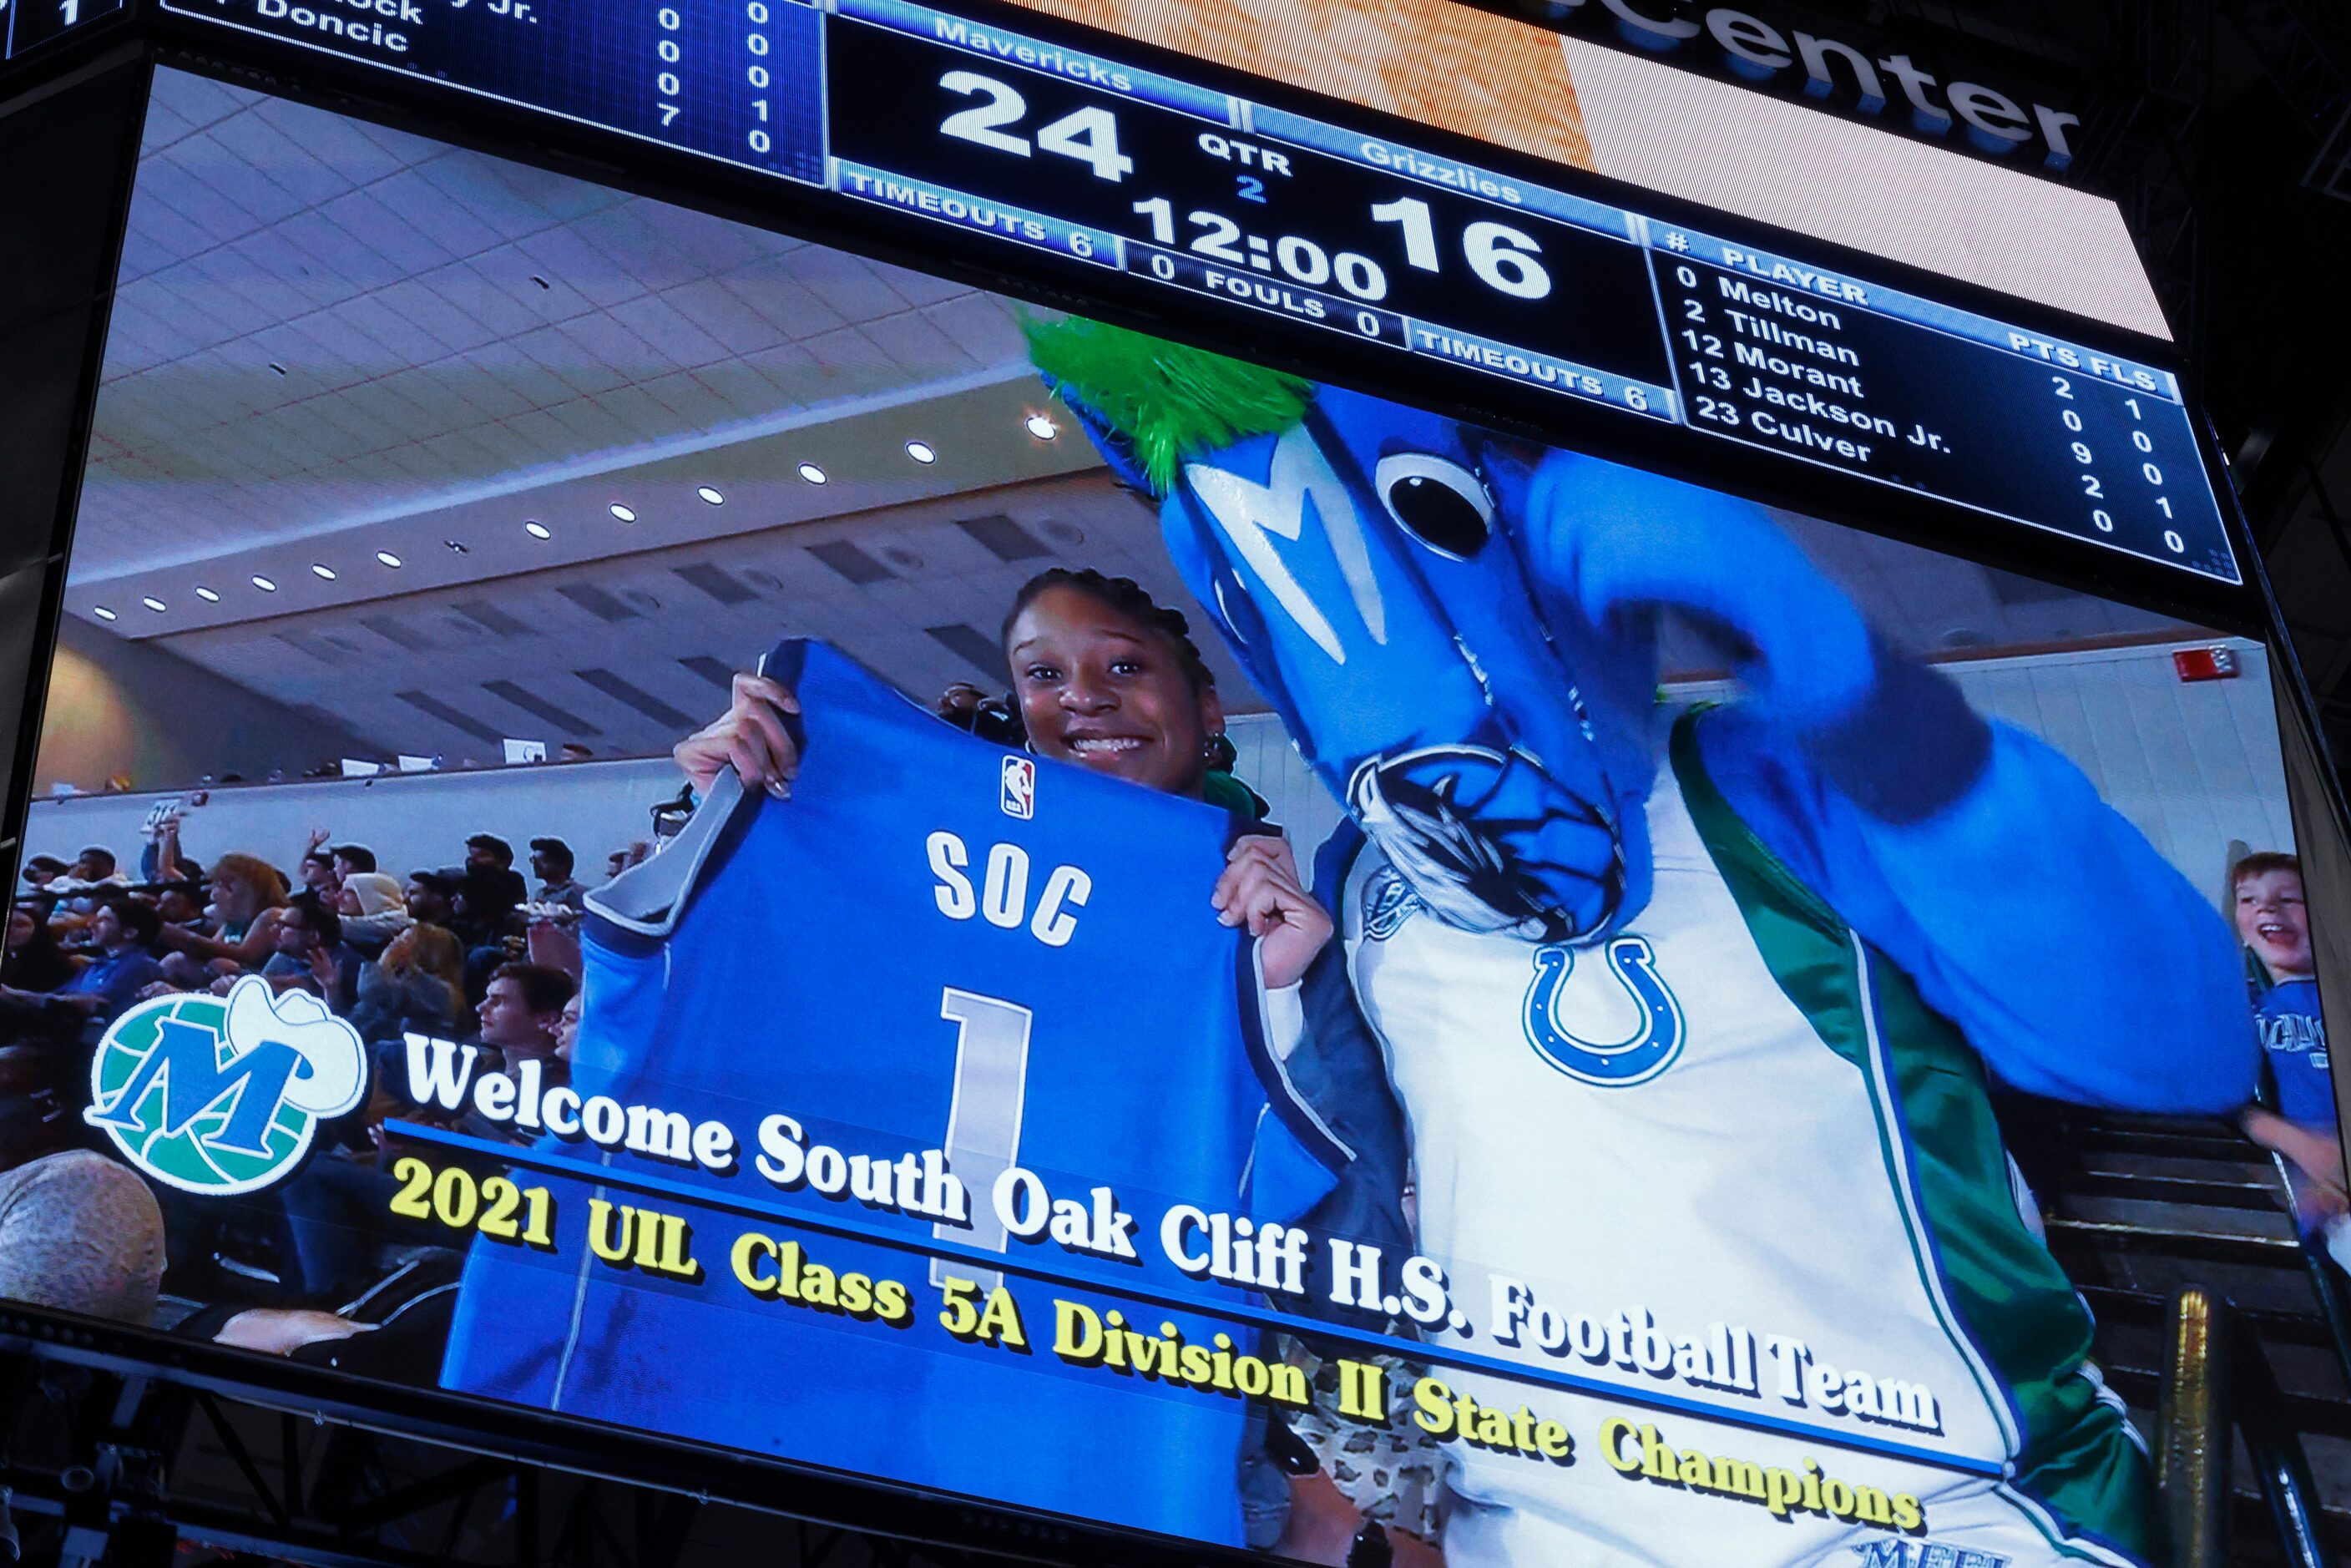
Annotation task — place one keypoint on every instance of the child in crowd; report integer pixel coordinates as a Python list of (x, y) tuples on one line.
[(2274, 924)]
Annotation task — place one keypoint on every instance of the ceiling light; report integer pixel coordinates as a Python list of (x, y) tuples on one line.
[(321, 570), (711, 495), (208, 596), (622, 512), (157, 605), (538, 530), (812, 473), (920, 451), (103, 612), (386, 556), (1042, 428), (264, 584)]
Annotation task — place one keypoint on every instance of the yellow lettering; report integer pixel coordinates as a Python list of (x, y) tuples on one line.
[(751, 1250), (817, 1286), (602, 1240), (1077, 1332), (1613, 1433), (1435, 1414), (1001, 1321)]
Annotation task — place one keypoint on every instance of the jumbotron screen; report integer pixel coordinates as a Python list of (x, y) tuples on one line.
[(654, 821)]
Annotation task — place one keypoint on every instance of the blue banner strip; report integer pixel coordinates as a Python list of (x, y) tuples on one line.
[(1237, 1310), (1451, 173), (1531, 369), (974, 212), (1051, 59)]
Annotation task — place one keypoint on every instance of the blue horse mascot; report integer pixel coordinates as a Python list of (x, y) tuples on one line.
[(1694, 1018)]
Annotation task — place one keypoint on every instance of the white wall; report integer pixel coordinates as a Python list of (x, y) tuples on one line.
[(2194, 766), (409, 819)]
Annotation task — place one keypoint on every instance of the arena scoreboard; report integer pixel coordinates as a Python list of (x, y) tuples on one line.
[(1048, 148), (26, 24)]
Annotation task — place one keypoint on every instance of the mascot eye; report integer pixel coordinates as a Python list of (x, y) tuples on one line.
[(1440, 503)]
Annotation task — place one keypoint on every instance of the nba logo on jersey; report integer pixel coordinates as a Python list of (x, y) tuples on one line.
[(1017, 794)]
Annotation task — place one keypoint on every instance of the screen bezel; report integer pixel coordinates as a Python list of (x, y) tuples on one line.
[(876, 1503)]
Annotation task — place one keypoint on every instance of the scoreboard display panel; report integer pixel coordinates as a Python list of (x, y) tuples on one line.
[(1045, 146), (1245, 824)]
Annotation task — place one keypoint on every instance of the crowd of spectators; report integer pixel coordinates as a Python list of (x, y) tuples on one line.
[(472, 952)]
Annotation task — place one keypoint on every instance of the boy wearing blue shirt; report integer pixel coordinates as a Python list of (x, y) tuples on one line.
[(2274, 923)]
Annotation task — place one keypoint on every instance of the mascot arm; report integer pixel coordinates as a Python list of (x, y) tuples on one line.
[(2079, 963)]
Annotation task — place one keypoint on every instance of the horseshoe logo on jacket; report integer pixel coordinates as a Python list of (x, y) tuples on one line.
[(1647, 1051)]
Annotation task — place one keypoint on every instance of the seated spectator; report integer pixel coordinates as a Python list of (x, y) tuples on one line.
[(182, 904), (567, 1034), (164, 858), (352, 858), (42, 869), (418, 985), (81, 1233), (121, 928), (522, 1015), (491, 889), (36, 962), (95, 865), (2274, 924), (522, 1019), (431, 898), (87, 881), (248, 893), (35, 1117), (316, 872), (551, 862), (373, 910), (312, 956)]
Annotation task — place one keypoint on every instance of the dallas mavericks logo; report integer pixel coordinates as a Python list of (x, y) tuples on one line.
[(220, 1096), (1648, 1050), (1388, 901)]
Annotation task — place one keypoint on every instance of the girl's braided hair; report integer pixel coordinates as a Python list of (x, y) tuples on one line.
[(1128, 598)]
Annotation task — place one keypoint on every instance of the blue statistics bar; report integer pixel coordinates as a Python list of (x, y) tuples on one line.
[(1528, 369), (1277, 296), (976, 213)]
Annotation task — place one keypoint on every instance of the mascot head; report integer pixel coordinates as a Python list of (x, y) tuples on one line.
[(1381, 574)]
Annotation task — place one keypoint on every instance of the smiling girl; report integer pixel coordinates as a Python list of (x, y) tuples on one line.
[(1105, 677), (1110, 681)]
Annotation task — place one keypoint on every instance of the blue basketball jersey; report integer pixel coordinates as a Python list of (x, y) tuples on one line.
[(2294, 1031), (933, 944)]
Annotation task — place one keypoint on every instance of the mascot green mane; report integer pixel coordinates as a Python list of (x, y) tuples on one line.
[(1162, 401)]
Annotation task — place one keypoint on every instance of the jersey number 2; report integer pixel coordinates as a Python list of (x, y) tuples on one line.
[(991, 1081)]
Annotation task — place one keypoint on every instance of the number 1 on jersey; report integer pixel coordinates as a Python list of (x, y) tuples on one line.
[(991, 1081)]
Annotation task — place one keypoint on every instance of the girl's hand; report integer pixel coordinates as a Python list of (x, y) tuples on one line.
[(1260, 891), (749, 737)]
